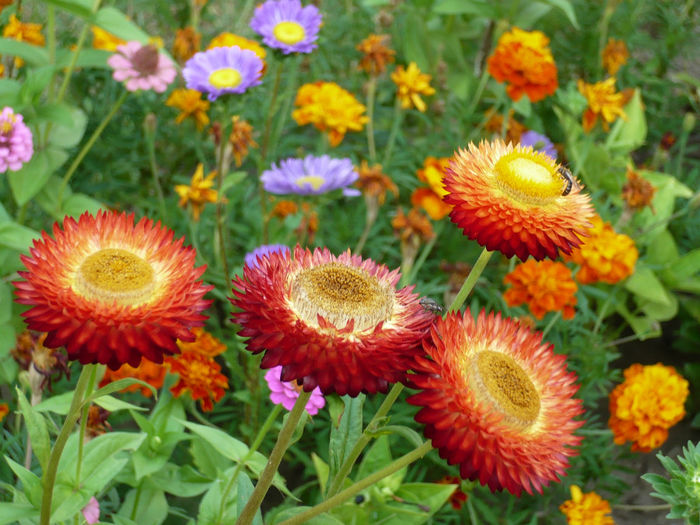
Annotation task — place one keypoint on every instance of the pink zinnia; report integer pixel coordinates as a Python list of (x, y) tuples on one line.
[(16, 145), (91, 511), (286, 394), (142, 67)]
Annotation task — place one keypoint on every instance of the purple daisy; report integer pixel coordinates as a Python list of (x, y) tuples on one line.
[(16, 146), (285, 25), (309, 176), (142, 67), (223, 70), (286, 394), (539, 142), (251, 259)]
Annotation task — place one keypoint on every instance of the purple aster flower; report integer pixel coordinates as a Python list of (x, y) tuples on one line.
[(285, 25), (539, 143), (251, 259), (142, 67), (286, 394), (223, 70), (309, 176), (16, 146)]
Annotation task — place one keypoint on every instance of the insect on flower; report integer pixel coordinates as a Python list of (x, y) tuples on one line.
[(568, 178), (431, 305)]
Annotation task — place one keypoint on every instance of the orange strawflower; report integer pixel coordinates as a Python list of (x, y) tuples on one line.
[(191, 105), (646, 405), (411, 84), (606, 256), (23, 32), (637, 191), (614, 56), (586, 509), (104, 40), (204, 343), (546, 286), (329, 108), (373, 183), (523, 60), (494, 124), (199, 192), (187, 43), (458, 497), (147, 371), (376, 54), (4, 410), (430, 199), (241, 138), (284, 208), (510, 198), (603, 102), (229, 40), (200, 375)]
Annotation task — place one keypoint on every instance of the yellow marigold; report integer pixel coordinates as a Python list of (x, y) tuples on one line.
[(376, 54), (200, 375), (187, 43), (29, 33), (4, 410), (605, 256), (284, 208), (411, 84), (241, 138), (637, 191), (199, 192), (191, 105), (615, 56), (329, 108), (646, 405), (147, 371), (104, 40), (494, 124), (523, 60), (430, 199), (546, 286), (603, 102), (204, 343), (229, 39), (586, 509), (373, 183)]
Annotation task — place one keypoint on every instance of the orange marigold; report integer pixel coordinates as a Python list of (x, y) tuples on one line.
[(147, 371), (606, 256), (646, 405), (523, 60), (23, 32), (546, 286), (376, 54), (104, 40), (191, 105), (187, 43), (284, 208), (241, 138), (200, 375), (4, 410), (603, 102), (430, 199), (586, 509), (411, 84), (614, 56), (637, 191), (204, 343)]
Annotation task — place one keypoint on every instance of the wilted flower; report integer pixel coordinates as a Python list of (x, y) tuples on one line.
[(286, 393), (411, 84), (373, 183), (241, 138), (413, 230), (199, 192), (539, 142), (309, 176), (603, 102), (287, 26), (16, 141), (45, 365), (142, 67), (186, 44), (97, 421), (104, 40), (23, 32), (615, 56), (253, 258), (223, 70), (546, 286), (586, 509), (637, 191), (494, 124), (376, 54), (191, 105), (430, 199)]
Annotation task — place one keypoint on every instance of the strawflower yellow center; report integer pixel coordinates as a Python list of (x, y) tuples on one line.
[(339, 293), (226, 77), (314, 180), (504, 384), (528, 177), (289, 32), (114, 275)]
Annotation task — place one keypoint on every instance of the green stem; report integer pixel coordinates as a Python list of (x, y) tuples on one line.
[(48, 479), (604, 309), (365, 438), (220, 211), (88, 146), (604, 24), (151, 144), (642, 508), (483, 79), (360, 485), (371, 92), (137, 500), (83, 425), (470, 281), (395, 125), (406, 279), (22, 214), (550, 324), (51, 44), (473, 520), (265, 480)]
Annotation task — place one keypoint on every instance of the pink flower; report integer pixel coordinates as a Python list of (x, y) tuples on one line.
[(16, 145), (142, 67), (286, 394), (91, 511)]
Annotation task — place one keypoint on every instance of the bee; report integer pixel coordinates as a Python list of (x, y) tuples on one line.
[(431, 305), (568, 178)]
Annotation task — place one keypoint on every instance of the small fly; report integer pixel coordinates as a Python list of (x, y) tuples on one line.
[(431, 305)]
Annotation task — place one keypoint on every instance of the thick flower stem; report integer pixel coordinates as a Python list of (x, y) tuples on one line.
[(48, 479), (360, 485), (265, 480), (470, 281), (365, 438), (83, 425)]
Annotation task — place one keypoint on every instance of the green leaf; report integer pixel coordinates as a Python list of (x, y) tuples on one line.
[(321, 519), (151, 507), (629, 134), (30, 482), (662, 249), (118, 385), (413, 437), (322, 471), (345, 432), (81, 8), (69, 136), (88, 58), (5, 302), (645, 284), (183, 482), (57, 404), (210, 508), (433, 495), (36, 426), (33, 55), (16, 236), (78, 203), (377, 457), (660, 311), (57, 113), (566, 7), (467, 7), (232, 180), (686, 266), (112, 20), (16, 512), (29, 180), (36, 81)]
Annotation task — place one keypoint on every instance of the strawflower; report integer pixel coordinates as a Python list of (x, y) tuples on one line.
[(637, 191), (586, 509), (646, 405), (510, 198), (605, 256), (200, 375), (16, 141), (147, 371), (545, 286), (375, 54), (226, 39), (187, 43), (430, 199), (104, 40), (523, 60), (411, 84), (223, 70), (191, 105), (241, 138), (336, 322), (4, 410), (287, 26), (329, 108), (199, 192), (539, 142), (614, 56), (112, 291), (604, 103), (255, 257), (142, 67), (23, 32), (285, 393), (309, 176)]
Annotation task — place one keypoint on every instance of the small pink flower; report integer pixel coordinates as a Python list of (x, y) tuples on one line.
[(16, 145), (286, 394), (91, 511), (142, 67)]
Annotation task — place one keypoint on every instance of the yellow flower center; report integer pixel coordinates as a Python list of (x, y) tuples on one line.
[(114, 275), (314, 180), (339, 293), (528, 177), (503, 383), (226, 77), (289, 32)]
